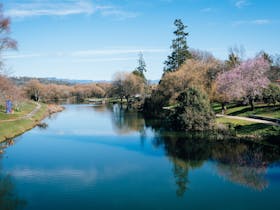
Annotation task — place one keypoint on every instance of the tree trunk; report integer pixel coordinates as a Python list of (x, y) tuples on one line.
[(251, 101), (224, 108)]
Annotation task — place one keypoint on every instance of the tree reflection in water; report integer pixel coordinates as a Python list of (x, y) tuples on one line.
[(126, 121), (9, 199), (246, 163), (241, 162)]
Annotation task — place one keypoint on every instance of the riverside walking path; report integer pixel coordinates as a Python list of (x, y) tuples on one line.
[(248, 119), (27, 116)]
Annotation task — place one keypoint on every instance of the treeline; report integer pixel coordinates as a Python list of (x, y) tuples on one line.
[(194, 79), (125, 86), (54, 92)]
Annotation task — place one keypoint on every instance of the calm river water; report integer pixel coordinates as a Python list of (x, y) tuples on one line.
[(95, 157)]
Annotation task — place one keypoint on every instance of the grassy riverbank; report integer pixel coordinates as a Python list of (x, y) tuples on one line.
[(15, 124), (245, 111), (249, 129)]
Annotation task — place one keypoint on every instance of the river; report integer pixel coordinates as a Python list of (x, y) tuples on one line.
[(98, 157)]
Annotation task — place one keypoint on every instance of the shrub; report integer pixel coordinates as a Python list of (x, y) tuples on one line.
[(271, 94), (193, 112)]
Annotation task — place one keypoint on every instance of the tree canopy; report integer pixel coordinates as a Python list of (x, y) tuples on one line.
[(193, 111), (179, 48), (246, 80)]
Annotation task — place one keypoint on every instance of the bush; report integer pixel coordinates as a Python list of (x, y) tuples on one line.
[(153, 106), (193, 112), (271, 94)]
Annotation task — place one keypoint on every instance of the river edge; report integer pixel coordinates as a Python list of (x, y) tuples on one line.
[(15, 128), (20, 126)]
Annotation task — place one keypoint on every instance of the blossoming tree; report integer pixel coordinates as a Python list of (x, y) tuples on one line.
[(246, 81)]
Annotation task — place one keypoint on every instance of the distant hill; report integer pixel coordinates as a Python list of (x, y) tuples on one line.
[(53, 80)]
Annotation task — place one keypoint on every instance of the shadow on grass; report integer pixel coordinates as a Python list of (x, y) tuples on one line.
[(258, 128), (242, 111), (257, 110)]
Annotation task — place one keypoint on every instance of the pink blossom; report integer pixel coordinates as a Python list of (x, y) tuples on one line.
[(244, 81)]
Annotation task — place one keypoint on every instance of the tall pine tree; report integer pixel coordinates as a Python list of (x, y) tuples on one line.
[(141, 68), (179, 48), (141, 64)]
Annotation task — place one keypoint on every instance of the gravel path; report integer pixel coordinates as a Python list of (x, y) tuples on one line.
[(31, 114), (248, 119), (28, 116)]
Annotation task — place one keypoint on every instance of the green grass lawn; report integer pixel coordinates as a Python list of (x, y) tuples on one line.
[(246, 128), (17, 127), (25, 108), (245, 111), (234, 122)]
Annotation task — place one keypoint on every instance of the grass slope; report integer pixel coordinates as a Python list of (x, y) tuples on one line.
[(250, 129), (245, 128), (14, 128), (245, 111)]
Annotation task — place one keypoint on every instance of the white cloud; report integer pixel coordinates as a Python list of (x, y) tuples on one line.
[(252, 22), (241, 3), (65, 8), (89, 55), (120, 14), (15, 56), (86, 53), (208, 9), (50, 9), (94, 60), (261, 22)]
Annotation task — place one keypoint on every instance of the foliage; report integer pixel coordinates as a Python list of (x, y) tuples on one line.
[(246, 81), (126, 85), (84, 91), (7, 88), (233, 60), (179, 48), (141, 68), (54, 92), (193, 111), (201, 55), (9, 91), (153, 106), (198, 73), (265, 56), (5, 41), (33, 90), (271, 95), (235, 57)]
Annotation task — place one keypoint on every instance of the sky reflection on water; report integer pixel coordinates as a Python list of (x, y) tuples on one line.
[(97, 157)]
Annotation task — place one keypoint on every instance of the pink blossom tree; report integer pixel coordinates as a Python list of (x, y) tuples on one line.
[(246, 80)]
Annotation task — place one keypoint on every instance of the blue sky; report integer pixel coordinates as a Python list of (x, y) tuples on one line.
[(93, 39)]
